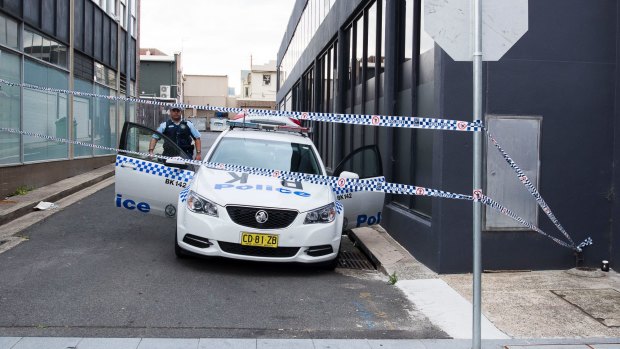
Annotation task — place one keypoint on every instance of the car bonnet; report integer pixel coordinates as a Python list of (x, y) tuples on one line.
[(237, 188)]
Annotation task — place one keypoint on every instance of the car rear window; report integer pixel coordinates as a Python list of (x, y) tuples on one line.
[(266, 154)]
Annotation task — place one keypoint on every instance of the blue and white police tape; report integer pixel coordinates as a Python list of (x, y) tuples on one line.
[(353, 119), (530, 187), (338, 185)]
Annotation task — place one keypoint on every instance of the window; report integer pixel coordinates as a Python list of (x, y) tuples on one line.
[(82, 118), (371, 42), (104, 75), (45, 112), (310, 20), (104, 121), (44, 48), (9, 107), (247, 92), (267, 154), (426, 41), (266, 79)]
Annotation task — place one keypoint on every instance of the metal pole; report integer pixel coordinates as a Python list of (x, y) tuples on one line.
[(477, 208)]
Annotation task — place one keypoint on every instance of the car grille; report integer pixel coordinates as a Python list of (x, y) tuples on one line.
[(246, 216), (258, 251)]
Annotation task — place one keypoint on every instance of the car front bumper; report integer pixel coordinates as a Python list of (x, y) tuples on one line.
[(302, 243)]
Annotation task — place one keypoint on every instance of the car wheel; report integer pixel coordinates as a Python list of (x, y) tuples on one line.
[(178, 251)]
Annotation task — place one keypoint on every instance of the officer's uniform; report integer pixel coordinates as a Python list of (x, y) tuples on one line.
[(182, 134)]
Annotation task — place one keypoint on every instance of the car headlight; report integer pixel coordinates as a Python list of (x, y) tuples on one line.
[(325, 214), (198, 204)]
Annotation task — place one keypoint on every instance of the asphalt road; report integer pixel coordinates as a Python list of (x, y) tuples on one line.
[(96, 270)]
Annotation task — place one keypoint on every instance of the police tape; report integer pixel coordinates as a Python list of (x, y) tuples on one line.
[(530, 187), (352, 119), (339, 185)]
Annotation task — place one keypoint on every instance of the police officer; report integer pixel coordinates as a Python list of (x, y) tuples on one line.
[(179, 131)]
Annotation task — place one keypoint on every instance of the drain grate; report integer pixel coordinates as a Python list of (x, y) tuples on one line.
[(354, 260), (3, 241)]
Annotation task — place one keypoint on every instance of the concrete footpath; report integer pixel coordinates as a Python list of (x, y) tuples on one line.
[(539, 309)]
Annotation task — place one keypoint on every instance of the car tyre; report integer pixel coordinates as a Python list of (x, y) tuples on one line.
[(178, 251)]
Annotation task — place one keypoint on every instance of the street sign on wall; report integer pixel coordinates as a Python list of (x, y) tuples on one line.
[(450, 24)]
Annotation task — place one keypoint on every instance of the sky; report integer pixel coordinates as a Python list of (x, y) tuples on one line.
[(216, 37)]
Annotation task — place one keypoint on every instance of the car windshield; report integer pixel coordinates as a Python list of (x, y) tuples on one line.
[(266, 154)]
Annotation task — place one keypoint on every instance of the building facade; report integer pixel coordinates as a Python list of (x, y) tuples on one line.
[(83, 45), (373, 57), (161, 79), (206, 90), (258, 86)]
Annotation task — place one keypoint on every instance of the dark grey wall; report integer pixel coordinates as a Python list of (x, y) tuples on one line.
[(564, 69), (153, 74), (615, 212), (564, 72)]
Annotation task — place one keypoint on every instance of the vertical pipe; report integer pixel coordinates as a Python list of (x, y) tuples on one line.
[(477, 173)]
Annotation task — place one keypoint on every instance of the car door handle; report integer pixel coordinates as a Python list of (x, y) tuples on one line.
[(128, 165)]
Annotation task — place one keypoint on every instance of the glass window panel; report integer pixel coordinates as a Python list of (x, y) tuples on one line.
[(46, 50), (37, 45), (102, 125), (381, 59), (371, 41), (334, 78), (408, 52), (349, 62), (426, 42), (359, 50), (60, 54), (44, 113), (82, 118), (9, 107), (28, 36)]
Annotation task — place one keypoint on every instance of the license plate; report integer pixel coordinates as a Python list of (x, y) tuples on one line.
[(262, 240)]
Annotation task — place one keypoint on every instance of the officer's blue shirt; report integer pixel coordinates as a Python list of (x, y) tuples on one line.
[(192, 129)]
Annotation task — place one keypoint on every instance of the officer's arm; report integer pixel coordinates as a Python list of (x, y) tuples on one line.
[(155, 138), (152, 144)]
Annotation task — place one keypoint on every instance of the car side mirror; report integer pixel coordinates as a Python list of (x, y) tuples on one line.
[(349, 175)]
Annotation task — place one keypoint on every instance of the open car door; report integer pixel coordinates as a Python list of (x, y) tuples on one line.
[(361, 208), (148, 184)]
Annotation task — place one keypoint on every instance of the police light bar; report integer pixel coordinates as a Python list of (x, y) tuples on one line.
[(294, 128), (267, 127)]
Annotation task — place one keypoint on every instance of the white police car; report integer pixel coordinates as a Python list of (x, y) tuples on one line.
[(247, 216)]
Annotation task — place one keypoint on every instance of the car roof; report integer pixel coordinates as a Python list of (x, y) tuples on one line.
[(280, 136)]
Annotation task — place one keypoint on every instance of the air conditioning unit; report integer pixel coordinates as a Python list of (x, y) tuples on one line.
[(164, 91)]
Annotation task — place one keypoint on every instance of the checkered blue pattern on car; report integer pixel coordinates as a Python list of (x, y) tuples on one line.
[(156, 169), (183, 194), (339, 207)]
